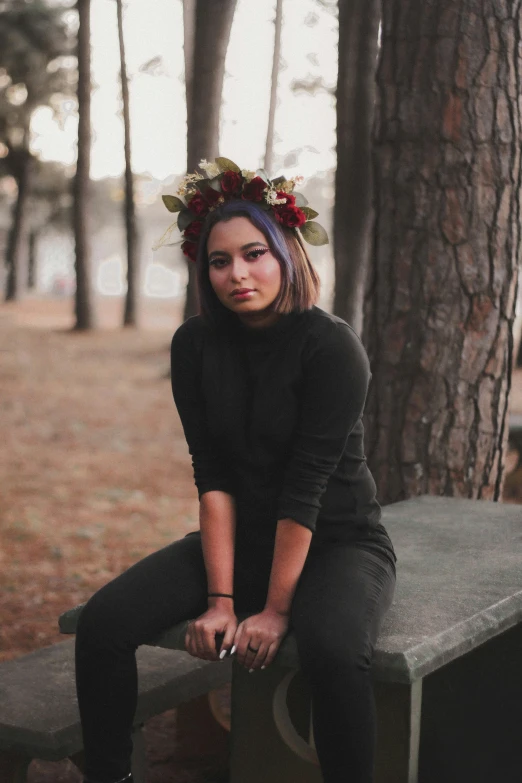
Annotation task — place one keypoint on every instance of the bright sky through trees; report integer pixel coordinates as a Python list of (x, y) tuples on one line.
[(154, 29)]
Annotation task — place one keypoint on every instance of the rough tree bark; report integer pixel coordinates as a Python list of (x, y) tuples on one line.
[(441, 295), (129, 212), (213, 22), (355, 100), (276, 58), (81, 184)]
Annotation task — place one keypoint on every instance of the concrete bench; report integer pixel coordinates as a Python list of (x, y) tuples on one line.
[(515, 435), (447, 666), (39, 716)]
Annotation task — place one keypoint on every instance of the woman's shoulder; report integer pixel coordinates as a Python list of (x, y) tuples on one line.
[(189, 329), (332, 341), (188, 337), (324, 325)]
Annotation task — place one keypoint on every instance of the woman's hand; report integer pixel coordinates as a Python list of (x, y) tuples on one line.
[(200, 638), (264, 632)]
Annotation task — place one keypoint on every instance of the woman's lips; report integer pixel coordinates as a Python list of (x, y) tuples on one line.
[(242, 295)]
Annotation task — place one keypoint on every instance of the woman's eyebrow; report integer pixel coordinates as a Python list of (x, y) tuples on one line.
[(243, 247)]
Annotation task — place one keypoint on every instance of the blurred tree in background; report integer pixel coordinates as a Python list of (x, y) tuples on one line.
[(355, 100), (85, 317), (205, 68), (276, 64), (35, 69), (131, 230)]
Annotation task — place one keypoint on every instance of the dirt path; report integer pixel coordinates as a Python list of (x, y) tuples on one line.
[(95, 475)]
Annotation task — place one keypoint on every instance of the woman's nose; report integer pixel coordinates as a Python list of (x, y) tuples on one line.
[(238, 270)]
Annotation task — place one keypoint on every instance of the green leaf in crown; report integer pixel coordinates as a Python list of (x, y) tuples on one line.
[(224, 164), (185, 218), (313, 233), (202, 184), (173, 203), (309, 212)]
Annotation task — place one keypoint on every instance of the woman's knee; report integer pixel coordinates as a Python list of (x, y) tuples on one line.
[(325, 647), (101, 619)]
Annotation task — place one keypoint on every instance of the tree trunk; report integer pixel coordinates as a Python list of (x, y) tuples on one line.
[(443, 283), (31, 269), (130, 314), (353, 213), (17, 244), (81, 185), (517, 350), (213, 22), (189, 31), (269, 147)]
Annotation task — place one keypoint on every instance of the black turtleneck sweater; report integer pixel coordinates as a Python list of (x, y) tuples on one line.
[(273, 416)]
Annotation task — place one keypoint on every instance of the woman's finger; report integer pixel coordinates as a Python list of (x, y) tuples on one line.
[(271, 653), (190, 643), (238, 636), (200, 645), (255, 658), (245, 654), (209, 641), (253, 649), (228, 639)]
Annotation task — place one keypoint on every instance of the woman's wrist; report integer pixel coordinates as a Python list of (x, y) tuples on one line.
[(283, 611), (222, 599)]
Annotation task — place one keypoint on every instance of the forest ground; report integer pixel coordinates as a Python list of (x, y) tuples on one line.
[(95, 475)]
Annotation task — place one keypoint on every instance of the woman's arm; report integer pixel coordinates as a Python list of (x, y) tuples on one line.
[(264, 631), (217, 522), (291, 548), (217, 505), (209, 468)]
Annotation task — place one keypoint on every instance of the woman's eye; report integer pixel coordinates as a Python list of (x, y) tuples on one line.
[(254, 254), (260, 252)]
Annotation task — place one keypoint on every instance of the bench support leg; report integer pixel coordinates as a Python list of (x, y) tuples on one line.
[(268, 741), (13, 767), (398, 731), (139, 759), (271, 736)]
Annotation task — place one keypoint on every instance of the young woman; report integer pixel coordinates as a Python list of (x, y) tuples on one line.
[(270, 390)]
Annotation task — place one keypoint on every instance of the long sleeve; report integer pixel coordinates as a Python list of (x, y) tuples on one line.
[(333, 394), (209, 470)]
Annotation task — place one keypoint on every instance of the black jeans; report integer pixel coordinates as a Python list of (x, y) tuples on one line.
[(339, 603)]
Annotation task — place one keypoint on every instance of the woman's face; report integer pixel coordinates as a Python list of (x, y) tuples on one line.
[(239, 257)]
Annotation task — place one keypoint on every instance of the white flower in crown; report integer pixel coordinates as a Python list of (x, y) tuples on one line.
[(188, 184), (248, 175), (288, 185), (211, 169), (271, 198)]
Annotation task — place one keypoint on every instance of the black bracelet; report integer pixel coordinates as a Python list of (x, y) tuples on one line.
[(225, 595)]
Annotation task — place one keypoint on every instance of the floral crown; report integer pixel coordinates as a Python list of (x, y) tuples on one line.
[(225, 181)]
